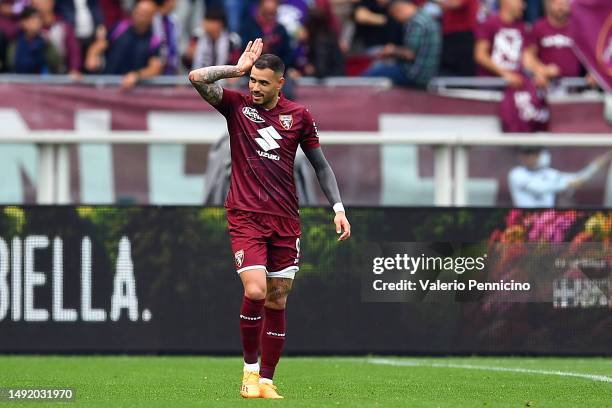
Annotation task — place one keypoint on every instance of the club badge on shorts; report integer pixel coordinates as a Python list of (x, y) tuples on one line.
[(286, 121), (238, 258)]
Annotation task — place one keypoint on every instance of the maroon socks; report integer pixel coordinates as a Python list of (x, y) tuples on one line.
[(251, 321), (272, 341)]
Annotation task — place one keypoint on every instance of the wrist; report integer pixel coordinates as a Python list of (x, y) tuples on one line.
[(338, 207), (240, 72)]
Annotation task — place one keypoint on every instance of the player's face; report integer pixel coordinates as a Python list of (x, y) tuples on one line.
[(264, 85)]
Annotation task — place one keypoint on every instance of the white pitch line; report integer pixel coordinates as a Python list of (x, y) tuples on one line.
[(592, 377)]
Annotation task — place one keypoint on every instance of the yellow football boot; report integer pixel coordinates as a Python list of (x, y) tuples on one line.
[(269, 391), (250, 385)]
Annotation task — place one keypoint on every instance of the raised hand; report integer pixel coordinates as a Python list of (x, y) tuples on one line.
[(249, 56)]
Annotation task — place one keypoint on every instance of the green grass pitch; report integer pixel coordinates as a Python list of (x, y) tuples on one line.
[(194, 381)]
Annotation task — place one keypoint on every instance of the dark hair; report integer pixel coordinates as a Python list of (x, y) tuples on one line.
[(394, 2), (530, 149), (28, 12), (216, 14), (270, 61)]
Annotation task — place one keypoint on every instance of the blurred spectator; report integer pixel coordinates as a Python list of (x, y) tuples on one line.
[(549, 55), (113, 11), (373, 27), (85, 17), (324, 57), (189, 14), (131, 48), (275, 38), (60, 35), (293, 14), (534, 184), (500, 41), (9, 17), (165, 27), (533, 10), (214, 44), (3, 47), (416, 61), (30, 52), (458, 25), (343, 10)]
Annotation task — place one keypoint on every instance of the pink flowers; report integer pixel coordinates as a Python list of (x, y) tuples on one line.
[(537, 226)]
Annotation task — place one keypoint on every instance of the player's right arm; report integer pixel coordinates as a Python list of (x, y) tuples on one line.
[(204, 80)]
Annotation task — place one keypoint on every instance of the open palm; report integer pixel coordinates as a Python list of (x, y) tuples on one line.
[(249, 56)]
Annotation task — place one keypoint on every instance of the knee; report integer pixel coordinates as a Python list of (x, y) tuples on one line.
[(277, 303), (277, 298), (255, 291)]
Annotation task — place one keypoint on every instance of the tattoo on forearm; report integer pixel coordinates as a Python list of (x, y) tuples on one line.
[(204, 81)]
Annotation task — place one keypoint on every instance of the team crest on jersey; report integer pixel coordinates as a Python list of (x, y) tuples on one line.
[(252, 115), (286, 121), (239, 257)]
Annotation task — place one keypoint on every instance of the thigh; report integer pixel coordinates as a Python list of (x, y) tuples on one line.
[(283, 256), (248, 242), (283, 247)]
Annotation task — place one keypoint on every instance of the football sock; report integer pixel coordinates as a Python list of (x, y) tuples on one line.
[(251, 367), (250, 328), (272, 341)]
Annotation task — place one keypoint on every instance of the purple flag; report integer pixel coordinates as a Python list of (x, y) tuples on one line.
[(591, 29)]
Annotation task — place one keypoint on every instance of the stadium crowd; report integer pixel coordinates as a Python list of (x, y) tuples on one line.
[(408, 42)]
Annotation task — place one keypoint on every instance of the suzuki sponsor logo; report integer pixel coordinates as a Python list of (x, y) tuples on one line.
[(267, 142), (268, 138), (268, 155)]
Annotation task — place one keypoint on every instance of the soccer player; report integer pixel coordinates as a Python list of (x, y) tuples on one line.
[(262, 206)]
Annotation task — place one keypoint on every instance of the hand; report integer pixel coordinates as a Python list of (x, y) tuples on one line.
[(603, 159), (75, 76), (387, 51), (342, 226), (249, 56), (513, 79), (590, 80), (552, 71), (129, 80), (541, 80), (93, 63)]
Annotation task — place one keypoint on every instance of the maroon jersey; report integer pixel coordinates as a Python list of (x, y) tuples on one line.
[(507, 41), (263, 144), (555, 47)]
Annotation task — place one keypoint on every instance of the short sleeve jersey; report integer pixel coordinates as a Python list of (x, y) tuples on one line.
[(555, 47), (507, 41), (263, 146)]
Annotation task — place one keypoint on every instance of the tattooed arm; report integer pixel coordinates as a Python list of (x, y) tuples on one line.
[(204, 80)]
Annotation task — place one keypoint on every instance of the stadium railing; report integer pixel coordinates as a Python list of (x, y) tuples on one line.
[(451, 148), (451, 161)]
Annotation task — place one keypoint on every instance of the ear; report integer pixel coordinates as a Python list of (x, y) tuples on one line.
[(281, 82)]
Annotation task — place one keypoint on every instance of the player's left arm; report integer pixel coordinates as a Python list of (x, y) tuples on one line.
[(329, 185)]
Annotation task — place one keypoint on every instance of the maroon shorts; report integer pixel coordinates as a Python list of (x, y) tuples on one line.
[(264, 241)]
